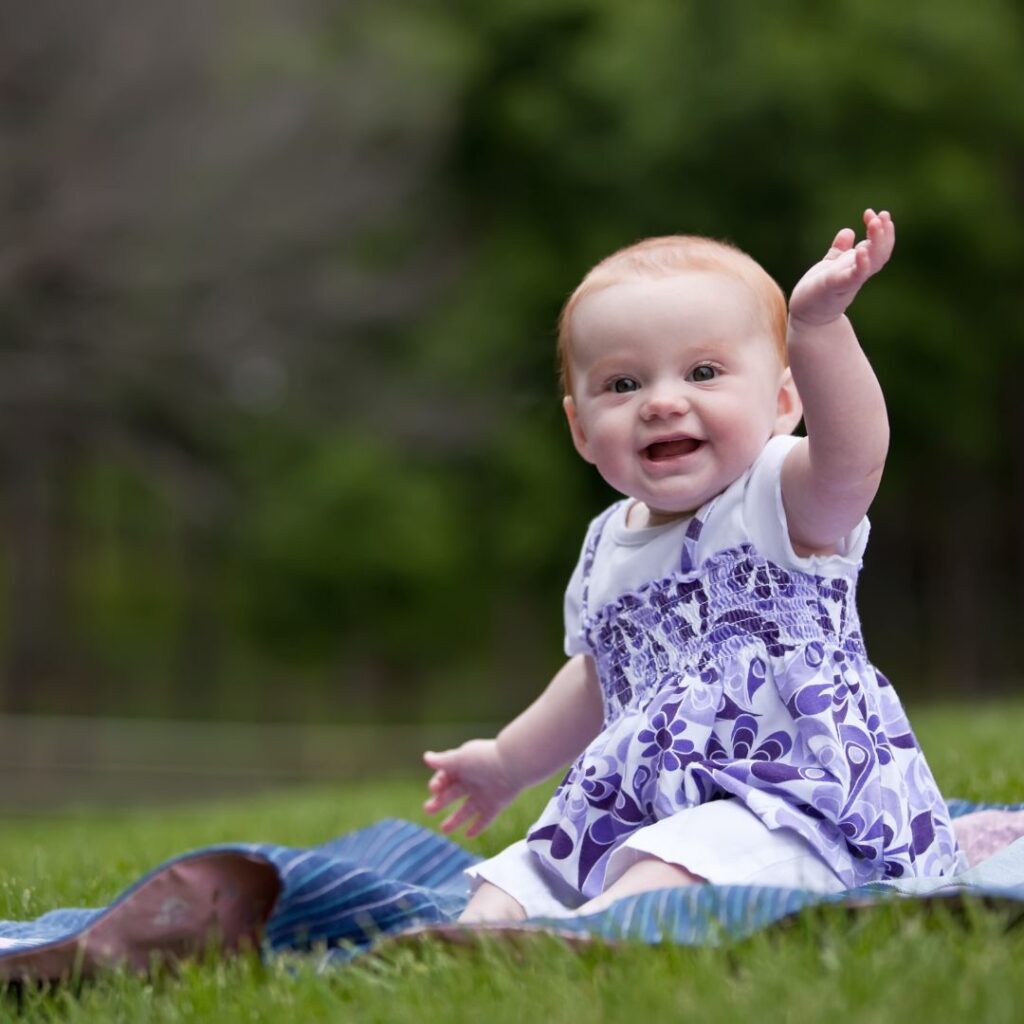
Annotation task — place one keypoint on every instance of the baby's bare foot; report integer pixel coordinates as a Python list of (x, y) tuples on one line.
[(489, 903)]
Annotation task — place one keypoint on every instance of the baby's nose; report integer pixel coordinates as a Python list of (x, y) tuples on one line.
[(664, 401)]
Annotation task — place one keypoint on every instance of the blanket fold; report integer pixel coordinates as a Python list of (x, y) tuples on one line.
[(395, 878)]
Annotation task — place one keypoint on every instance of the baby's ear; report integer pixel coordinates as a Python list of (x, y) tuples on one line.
[(789, 409), (579, 438)]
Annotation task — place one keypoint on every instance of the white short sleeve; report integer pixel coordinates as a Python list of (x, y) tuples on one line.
[(765, 519)]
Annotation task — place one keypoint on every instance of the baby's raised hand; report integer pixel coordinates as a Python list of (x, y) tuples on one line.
[(473, 771), (825, 291)]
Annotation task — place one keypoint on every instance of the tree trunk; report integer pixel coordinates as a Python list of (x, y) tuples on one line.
[(38, 468), (956, 532), (198, 648)]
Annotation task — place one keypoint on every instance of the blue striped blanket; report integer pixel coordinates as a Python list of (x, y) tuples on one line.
[(396, 878)]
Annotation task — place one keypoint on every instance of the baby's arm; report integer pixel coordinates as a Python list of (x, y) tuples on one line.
[(547, 735), (830, 478)]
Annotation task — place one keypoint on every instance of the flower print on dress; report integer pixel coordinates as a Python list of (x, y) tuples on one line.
[(746, 745), (879, 740), (663, 740), (832, 604), (744, 680), (595, 813), (741, 623), (597, 790), (677, 608), (614, 682), (757, 676), (764, 581)]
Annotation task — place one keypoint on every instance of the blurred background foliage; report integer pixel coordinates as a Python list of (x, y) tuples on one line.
[(281, 435)]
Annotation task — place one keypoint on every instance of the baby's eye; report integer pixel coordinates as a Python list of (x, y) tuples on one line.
[(703, 373), (623, 385)]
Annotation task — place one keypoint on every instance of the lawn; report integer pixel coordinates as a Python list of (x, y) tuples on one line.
[(894, 963)]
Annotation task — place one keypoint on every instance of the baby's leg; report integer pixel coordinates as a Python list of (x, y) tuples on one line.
[(490, 903), (643, 876)]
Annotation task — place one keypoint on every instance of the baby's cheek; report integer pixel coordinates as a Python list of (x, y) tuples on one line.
[(613, 468)]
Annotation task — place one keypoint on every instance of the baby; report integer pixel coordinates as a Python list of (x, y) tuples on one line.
[(725, 722)]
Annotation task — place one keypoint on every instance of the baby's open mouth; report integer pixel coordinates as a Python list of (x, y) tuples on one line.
[(659, 450)]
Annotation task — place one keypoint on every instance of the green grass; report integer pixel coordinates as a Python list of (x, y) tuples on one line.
[(896, 963)]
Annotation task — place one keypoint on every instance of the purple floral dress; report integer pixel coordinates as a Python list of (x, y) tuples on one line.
[(740, 679)]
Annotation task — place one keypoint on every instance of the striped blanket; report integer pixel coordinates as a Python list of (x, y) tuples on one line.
[(397, 879)]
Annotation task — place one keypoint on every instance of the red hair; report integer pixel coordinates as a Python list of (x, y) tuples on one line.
[(667, 256)]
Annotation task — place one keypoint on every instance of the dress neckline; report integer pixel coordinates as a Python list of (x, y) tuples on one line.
[(634, 536)]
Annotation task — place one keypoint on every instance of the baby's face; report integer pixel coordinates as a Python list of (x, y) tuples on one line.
[(677, 386)]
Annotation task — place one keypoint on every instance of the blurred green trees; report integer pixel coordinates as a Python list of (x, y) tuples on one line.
[(281, 428)]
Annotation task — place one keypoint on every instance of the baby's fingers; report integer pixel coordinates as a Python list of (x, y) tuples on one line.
[(439, 780), (443, 798), (881, 237), (438, 759), (843, 242), (459, 818), (482, 821)]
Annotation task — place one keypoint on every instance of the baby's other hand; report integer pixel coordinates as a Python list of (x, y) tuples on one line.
[(474, 773), (827, 289)]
